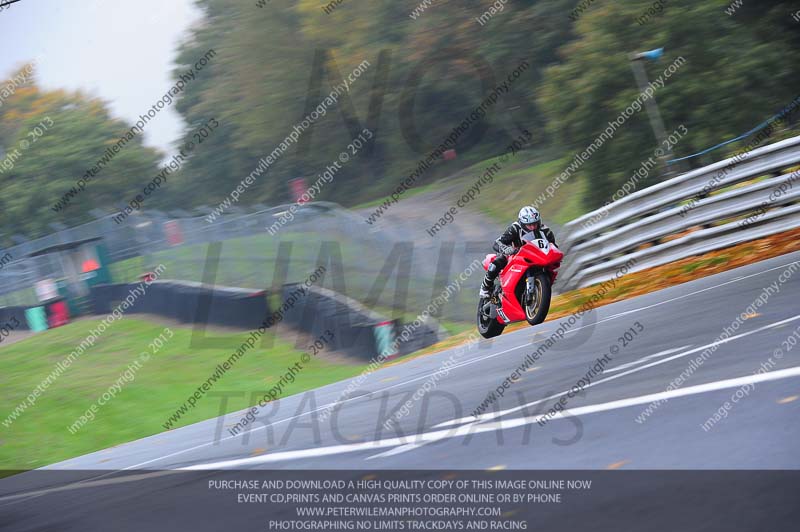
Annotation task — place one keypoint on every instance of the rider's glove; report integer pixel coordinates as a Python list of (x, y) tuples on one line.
[(508, 250)]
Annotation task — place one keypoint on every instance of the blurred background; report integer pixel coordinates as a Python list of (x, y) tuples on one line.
[(104, 64), (95, 67)]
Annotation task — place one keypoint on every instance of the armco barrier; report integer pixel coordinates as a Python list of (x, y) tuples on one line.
[(694, 213), (187, 302), (353, 325)]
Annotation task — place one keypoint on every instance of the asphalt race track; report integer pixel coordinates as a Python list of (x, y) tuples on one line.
[(603, 429), (759, 433)]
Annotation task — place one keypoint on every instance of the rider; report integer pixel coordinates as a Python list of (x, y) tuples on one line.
[(510, 242)]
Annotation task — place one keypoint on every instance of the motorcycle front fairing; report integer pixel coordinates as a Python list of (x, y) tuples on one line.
[(535, 253)]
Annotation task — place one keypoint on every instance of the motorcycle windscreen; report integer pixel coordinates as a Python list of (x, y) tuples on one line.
[(541, 243)]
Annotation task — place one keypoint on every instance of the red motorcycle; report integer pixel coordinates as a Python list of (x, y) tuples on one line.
[(522, 290)]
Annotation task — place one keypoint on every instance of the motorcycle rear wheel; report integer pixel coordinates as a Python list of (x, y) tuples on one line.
[(488, 327)]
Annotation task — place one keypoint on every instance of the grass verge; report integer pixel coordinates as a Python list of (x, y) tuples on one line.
[(40, 435)]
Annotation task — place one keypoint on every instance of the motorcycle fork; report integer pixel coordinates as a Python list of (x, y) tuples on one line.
[(497, 294), (529, 288)]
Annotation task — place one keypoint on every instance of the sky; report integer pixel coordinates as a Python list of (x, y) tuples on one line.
[(119, 50)]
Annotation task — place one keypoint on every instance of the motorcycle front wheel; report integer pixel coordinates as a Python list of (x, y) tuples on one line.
[(537, 302)]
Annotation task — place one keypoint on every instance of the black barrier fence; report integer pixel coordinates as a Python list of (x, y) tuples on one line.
[(16, 316), (420, 337), (187, 302), (357, 330), (324, 310)]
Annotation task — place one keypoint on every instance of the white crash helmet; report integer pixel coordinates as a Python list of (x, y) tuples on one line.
[(529, 218)]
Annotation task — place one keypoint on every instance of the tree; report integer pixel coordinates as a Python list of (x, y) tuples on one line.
[(732, 80), (56, 138)]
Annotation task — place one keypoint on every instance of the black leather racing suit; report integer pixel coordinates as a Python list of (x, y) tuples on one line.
[(508, 244)]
